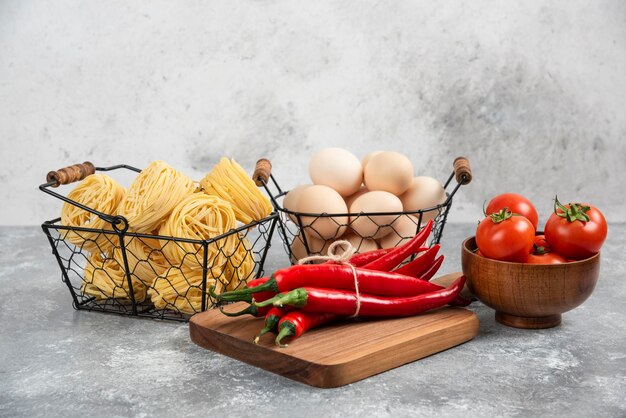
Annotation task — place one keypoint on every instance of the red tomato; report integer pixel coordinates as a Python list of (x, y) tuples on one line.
[(516, 204), (541, 245), (545, 258), (576, 231), (505, 237)]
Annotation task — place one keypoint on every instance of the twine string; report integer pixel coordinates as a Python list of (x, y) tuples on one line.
[(340, 256)]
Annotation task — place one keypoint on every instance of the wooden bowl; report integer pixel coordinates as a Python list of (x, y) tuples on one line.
[(528, 296)]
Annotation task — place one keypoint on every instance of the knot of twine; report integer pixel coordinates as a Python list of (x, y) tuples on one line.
[(340, 256)]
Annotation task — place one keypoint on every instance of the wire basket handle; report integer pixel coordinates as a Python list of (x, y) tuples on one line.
[(262, 172), (79, 172), (462, 170), (70, 174)]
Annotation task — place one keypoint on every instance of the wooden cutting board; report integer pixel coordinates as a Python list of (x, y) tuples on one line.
[(340, 353)]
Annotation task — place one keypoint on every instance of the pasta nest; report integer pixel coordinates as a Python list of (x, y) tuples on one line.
[(229, 181), (240, 265), (200, 217), (101, 193), (106, 278), (180, 289), (153, 195), (145, 258)]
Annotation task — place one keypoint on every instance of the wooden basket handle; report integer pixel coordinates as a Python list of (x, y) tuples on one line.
[(462, 170), (262, 172), (71, 174)]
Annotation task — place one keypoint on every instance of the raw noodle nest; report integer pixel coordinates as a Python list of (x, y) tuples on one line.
[(105, 278), (229, 181), (240, 265), (101, 193), (200, 217), (153, 194), (180, 289), (144, 256)]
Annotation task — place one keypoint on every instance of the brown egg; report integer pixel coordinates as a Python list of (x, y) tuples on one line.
[(374, 226), (316, 247), (290, 201), (404, 229), (389, 171), (338, 169), (352, 197), (318, 199), (424, 192), (368, 157), (362, 245)]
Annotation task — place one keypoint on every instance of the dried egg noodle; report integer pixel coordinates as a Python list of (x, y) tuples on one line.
[(181, 289), (200, 217), (105, 278), (101, 193), (145, 258), (153, 194), (230, 182), (240, 265)]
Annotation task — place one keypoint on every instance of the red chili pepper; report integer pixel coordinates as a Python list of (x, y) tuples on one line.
[(258, 282), (271, 320), (395, 257), (344, 303), (428, 274), (417, 267), (358, 260), (341, 276), (296, 323)]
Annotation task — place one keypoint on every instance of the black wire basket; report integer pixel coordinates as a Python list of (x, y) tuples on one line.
[(301, 238), (133, 276)]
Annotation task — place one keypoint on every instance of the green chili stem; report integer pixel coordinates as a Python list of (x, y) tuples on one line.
[(296, 297), (287, 329), (242, 294), (270, 324), (250, 309), (270, 301)]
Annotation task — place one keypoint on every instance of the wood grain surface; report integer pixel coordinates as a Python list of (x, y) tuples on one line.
[(339, 353)]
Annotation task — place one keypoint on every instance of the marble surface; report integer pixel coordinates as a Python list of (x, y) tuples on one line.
[(55, 361), (532, 92)]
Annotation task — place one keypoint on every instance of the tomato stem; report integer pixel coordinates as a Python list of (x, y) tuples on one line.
[(540, 250), (501, 216), (572, 212)]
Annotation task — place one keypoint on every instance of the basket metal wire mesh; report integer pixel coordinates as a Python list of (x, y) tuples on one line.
[(302, 235), (135, 274)]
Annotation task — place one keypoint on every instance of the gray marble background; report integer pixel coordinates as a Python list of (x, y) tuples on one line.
[(532, 92)]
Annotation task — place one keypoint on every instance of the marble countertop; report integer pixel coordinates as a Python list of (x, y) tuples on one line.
[(61, 362)]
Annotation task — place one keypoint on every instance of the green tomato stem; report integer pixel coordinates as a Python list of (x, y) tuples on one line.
[(572, 212)]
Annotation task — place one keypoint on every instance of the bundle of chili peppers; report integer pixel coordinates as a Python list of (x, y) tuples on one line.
[(373, 284)]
